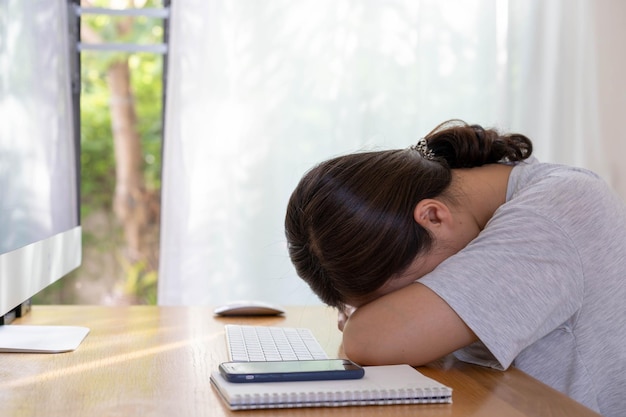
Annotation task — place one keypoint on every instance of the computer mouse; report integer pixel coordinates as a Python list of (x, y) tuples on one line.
[(249, 308)]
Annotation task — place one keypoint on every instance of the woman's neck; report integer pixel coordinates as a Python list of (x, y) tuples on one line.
[(481, 190)]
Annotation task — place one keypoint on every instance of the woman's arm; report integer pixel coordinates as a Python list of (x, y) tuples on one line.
[(412, 325)]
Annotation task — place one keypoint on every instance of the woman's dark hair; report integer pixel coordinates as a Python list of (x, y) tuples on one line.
[(349, 222)]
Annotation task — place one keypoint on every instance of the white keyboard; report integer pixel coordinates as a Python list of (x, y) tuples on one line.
[(267, 343)]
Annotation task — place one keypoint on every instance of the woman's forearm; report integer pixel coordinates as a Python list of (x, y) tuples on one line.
[(412, 325)]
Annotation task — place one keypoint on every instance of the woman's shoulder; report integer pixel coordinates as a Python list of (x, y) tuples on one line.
[(562, 197), (532, 177)]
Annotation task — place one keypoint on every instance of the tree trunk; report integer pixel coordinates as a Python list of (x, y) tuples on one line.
[(129, 202)]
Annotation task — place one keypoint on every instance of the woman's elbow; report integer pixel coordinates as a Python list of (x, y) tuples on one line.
[(366, 345), (360, 350)]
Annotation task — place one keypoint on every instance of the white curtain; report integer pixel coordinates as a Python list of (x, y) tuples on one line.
[(259, 91)]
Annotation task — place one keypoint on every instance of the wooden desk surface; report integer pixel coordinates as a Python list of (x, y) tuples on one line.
[(156, 361)]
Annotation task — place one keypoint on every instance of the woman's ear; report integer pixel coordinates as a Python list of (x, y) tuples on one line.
[(432, 214)]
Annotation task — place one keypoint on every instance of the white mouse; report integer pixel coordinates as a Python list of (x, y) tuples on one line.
[(249, 308)]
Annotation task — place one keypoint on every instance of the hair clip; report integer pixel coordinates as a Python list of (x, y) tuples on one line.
[(422, 148)]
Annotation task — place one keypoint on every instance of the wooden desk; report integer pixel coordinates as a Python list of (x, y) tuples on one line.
[(156, 361)]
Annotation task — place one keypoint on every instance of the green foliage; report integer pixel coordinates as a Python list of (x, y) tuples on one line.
[(97, 137), (98, 160), (147, 73), (97, 153), (141, 283)]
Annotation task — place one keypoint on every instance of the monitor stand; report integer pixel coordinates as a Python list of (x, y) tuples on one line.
[(40, 339), (25, 338)]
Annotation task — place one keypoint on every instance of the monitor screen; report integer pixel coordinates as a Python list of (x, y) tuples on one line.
[(40, 234)]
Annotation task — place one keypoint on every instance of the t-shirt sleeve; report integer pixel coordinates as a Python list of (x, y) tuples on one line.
[(516, 282)]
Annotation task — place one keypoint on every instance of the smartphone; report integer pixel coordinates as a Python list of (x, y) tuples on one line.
[(275, 371)]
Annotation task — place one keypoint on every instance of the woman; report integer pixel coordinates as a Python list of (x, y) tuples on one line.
[(465, 244)]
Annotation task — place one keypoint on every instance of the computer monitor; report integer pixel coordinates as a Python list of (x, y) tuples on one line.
[(40, 231)]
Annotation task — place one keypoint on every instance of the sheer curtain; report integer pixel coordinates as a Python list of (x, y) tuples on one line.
[(260, 91)]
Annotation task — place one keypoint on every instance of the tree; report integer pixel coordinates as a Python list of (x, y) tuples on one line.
[(120, 130)]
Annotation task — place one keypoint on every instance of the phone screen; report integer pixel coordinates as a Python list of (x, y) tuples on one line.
[(290, 370)]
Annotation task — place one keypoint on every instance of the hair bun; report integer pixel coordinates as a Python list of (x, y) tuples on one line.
[(466, 146)]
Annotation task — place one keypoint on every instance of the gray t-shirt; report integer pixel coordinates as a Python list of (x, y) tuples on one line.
[(543, 286)]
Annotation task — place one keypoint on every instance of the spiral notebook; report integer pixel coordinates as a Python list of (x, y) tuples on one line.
[(381, 385)]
